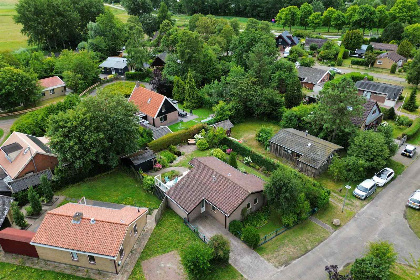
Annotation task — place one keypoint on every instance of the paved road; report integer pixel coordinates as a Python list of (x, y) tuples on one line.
[(5, 124), (346, 70), (381, 219)]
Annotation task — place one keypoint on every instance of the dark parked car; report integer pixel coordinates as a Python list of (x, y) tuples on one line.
[(409, 151), (182, 114)]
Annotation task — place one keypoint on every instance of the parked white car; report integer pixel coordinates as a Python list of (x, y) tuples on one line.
[(414, 200), (365, 189), (336, 70), (383, 176)]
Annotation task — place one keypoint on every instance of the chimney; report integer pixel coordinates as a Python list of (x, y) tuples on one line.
[(77, 217), (137, 84), (365, 78)]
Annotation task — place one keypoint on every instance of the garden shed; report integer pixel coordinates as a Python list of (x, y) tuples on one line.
[(143, 159), (16, 241), (226, 125)]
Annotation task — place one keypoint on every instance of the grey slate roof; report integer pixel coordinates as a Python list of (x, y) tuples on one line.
[(318, 42), (392, 92), (367, 108), (310, 75), (289, 38), (5, 203), (40, 144), (141, 156), (384, 47), (28, 181), (156, 131), (393, 56), (313, 150), (114, 62), (226, 124)]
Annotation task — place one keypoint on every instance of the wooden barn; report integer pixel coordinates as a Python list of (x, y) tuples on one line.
[(309, 154)]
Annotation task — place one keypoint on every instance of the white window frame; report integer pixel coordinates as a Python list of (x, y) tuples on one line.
[(248, 205), (256, 199), (52, 91), (74, 256), (379, 62), (165, 117), (89, 259), (135, 230)]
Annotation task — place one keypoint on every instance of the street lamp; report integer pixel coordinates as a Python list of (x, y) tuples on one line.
[(344, 202)]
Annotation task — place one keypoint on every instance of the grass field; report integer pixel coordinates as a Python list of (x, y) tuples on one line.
[(171, 234), (202, 113), (122, 87), (115, 187), (413, 219), (10, 36)]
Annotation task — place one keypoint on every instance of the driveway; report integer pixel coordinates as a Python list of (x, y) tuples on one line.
[(405, 160), (381, 219), (249, 263)]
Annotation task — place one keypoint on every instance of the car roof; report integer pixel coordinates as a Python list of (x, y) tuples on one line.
[(385, 169), (410, 147), (367, 183), (416, 195)]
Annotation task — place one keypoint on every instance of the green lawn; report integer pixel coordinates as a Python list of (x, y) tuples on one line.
[(202, 113), (333, 211), (51, 100), (293, 243), (413, 219), (397, 130), (18, 272), (114, 187), (120, 14), (120, 88), (171, 234), (10, 36)]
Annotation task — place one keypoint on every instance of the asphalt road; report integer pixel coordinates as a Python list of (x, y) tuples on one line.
[(5, 124), (382, 219)]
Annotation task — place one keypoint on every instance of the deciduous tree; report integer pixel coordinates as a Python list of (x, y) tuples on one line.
[(306, 11), (365, 17), (382, 17), (405, 11), (137, 7), (353, 39), (328, 16), (192, 98), (413, 73), (392, 32), (338, 20), (412, 33), (291, 16), (315, 20), (405, 48)]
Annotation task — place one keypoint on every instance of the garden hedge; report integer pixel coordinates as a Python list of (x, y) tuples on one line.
[(175, 138), (413, 130), (339, 60), (358, 61), (138, 76)]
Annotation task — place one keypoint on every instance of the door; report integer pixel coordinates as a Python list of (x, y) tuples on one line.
[(203, 206), (113, 70)]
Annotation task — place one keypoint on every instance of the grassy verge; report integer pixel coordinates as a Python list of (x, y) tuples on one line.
[(172, 235), (114, 187), (20, 272), (293, 243), (398, 272), (333, 211), (202, 113), (1, 133), (51, 100), (413, 219)]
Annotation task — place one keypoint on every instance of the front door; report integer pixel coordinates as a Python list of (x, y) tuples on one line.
[(203, 206), (113, 70)]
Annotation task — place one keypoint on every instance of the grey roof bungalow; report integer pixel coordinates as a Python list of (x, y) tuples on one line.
[(114, 65)]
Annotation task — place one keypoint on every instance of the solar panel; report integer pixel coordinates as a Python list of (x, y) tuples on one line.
[(39, 143), (11, 148)]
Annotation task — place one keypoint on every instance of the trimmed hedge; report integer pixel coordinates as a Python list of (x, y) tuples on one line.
[(358, 61), (339, 60), (138, 76), (175, 138), (413, 130)]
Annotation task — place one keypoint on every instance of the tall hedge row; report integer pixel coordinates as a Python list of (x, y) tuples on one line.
[(413, 130), (175, 138)]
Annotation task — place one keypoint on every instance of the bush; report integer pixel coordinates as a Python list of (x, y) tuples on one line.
[(174, 150), (264, 134), (34, 201), (221, 248), (21, 197), (313, 47), (404, 121), (148, 183), (18, 217), (139, 76), (258, 218), (232, 160), (391, 114), (340, 56), (359, 61), (218, 153), (29, 211), (346, 54), (348, 169), (175, 138), (202, 144), (393, 68), (235, 227), (410, 104), (162, 161), (46, 189), (413, 130), (196, 260), (339, 61), (170, 157), (251, 236)]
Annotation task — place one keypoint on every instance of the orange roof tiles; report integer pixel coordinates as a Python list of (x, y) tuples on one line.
[(51, 82), (103, 237), (148, 102)]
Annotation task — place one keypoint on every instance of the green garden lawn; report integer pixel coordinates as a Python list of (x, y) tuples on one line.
[(202, 113), (10, 36), (171, 234), (115, 187), (18, 272), (119, 88), (413, 219)]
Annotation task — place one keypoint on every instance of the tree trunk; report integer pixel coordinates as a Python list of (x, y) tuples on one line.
[(328, 28)]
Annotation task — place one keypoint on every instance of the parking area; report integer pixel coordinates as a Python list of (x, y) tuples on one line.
[(405, 160)]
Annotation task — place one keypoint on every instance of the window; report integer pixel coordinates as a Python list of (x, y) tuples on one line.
[(163, 118), (379, 62), (213, 208), (91, 259), (121, 252), (74, 256), (163, 109), (135, 229), (52, 91), (256, 201), (374, 111), (43, 93), (248, 205)]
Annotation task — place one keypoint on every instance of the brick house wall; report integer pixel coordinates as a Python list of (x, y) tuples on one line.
[(59, 91), (386, 63), (170, 118), (42, 162)]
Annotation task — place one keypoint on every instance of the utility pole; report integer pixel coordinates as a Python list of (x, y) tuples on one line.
[(344, 202)]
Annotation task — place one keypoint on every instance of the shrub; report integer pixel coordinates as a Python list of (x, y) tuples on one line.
[(340, 56), (393, 68), (219, 154), (221, 248), (175, 138), (346, 54), (258, 218), (163, 162), (232, 160), (196, 260), (18, 217), (235, 227), (348, 169), (148, 183), (29, 211), (313, 47), (34, 201), (404, 121), (170, 157), (339, 61), (264, 134), (214, 136), (251, 236), (413, 130), (391, 114), (358, 61), (21, 197), (46, 189), (410, 104), (202, 144), (139, 76), (173, 149)]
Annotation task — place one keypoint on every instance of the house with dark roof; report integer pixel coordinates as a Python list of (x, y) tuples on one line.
[(52, 87), (23, 160), (6, 219), (215, 188), (157, 132), (382, 93), (89, 236), (371, 117), (385, 60), (114, 65), (143, 160), (309, 154), (285, 40), (310, 77), (384, 47), (160, 60), (156, 108), (314, 41), (226, 125), (361, 52)]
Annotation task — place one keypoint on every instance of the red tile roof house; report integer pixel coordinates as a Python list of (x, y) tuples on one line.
[(217, 189), (23, 159), (52, 87), (155, 107), (89, 236)]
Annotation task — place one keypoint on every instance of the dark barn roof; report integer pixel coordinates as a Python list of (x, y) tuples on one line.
[(310, 75), (384, 47), (288, 38), (226, 124), (156, 131), (28, 181), (313, 150), (5, 203), (391, 91)]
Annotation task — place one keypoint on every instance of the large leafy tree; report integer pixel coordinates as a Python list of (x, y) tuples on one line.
[(192, 97), (382, 17), (413, 73), (318, 6), (306, 11), (286, 80), (365, 17), (351, 15), (338, 105), (96, 133), (136, 45), (291, 16), (17, 88), (338, 20), (392, 32), (412, 34), (163, 13), (137, 7), (315, 20), (353, 39), (56, 24), (405, 11), (328, 16), (405, 48)]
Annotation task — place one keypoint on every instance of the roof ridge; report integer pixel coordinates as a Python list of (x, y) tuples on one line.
[(97, 220), (316, 139)]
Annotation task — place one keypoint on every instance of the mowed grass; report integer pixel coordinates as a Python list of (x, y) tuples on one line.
[(333, 211), (10, 36), (413, 219), (115, 187), (18, 272), (120, 88), (172, 235), (120, 14), (293, 243), (202, 113)]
